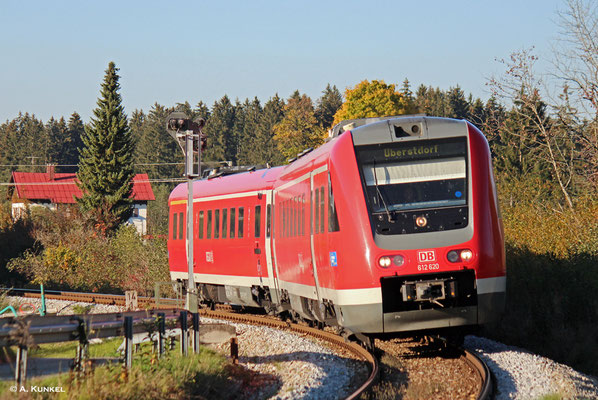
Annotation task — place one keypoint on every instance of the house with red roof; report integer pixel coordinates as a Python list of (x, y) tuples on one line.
[(53, 190)]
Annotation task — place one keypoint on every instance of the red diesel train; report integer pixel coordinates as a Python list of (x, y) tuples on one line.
[(391, 226)]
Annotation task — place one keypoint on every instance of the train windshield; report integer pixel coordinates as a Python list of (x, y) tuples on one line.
[(416, 184)]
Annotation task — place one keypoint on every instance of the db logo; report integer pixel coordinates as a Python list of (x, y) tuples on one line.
[(426, 256)]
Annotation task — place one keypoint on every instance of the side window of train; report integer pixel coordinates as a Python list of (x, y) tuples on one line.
[(316, 204), (181, 225), (209, 233), (241, 217), (216, 224), (332, 216), (322, 207), (268, 220), (224, 222), (302, 214), (232, 223), (174, 225), (200, 227), (258, 219), (283, 211)]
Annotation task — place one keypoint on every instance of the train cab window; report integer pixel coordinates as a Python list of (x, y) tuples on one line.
[(258, 220), (200, 227), (181, 225), (268, 220), (232, 223), (316, 204), (216, 224), (241, 217), (209, 232), (224, 222), (174, 225), (332, 216)]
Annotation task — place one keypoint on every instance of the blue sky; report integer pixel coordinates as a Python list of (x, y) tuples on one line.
[(53, 54)]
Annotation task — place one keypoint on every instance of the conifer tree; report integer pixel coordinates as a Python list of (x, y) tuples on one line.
[(328, 105), (106, 159)]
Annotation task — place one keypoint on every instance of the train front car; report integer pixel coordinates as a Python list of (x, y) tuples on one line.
[(424, 231)]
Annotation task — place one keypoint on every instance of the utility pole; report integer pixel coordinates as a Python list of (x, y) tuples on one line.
[(192, 141)]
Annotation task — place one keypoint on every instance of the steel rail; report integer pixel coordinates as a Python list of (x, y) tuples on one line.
[(478, 365)]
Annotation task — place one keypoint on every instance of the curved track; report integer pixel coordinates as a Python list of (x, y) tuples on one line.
[(471, 359)]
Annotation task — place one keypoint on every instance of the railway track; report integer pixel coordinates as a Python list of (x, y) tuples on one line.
[(226, 313)]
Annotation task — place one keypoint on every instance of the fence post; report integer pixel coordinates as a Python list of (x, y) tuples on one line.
[(196, 333), (21, 372), (184, 334), (234, 350), (161, 333), (128, 342)]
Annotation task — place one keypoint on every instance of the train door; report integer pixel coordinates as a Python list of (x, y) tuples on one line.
[(315, 219), (269, 238)]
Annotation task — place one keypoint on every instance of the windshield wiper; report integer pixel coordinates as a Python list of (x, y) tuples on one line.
[(379, 193)]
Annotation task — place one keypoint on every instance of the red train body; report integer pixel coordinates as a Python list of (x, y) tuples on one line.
[(391, 226)]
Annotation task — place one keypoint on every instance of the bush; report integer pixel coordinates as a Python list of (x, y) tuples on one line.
[(552, 275), (71, 255)]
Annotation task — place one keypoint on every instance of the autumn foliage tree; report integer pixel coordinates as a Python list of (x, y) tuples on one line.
[(299, 128), (372, 99)]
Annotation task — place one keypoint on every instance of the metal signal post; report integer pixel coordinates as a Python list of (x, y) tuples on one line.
[(192, 141)]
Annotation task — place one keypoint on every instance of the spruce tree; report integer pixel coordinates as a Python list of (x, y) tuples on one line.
[(106, 159)]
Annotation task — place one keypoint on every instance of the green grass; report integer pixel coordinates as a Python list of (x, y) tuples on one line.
[(68, 349), (207, 375)]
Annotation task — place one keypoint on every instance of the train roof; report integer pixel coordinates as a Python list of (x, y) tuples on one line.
[(261, 179)]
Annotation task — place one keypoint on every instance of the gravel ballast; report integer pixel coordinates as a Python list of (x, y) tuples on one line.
[(296, 367)]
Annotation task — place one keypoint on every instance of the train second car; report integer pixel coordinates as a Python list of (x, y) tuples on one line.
[(391, 226)]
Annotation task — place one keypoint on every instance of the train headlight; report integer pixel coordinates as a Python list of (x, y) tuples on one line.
[(466, 255), (453, 256), (384, 262), (398, 260)]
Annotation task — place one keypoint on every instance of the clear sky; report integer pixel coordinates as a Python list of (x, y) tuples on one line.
[(53, 54)]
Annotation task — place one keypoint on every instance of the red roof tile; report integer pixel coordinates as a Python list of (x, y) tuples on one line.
[(63, 189)]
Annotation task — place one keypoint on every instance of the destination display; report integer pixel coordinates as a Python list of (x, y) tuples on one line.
[(421, 149)]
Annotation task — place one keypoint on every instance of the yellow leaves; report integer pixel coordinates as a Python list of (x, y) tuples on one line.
[(371, 99), (61, 257)]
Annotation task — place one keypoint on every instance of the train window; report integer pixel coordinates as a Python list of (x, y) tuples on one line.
[(296, 216), (258, 220), (174, 225), (241, 217), (322, 207), (284, 219), (224, 222), (317, 212), (181, 225), (268, 220), (302, 218), (232, 223), (209, 233), (216, 224), (200, 233), (332, 216)]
